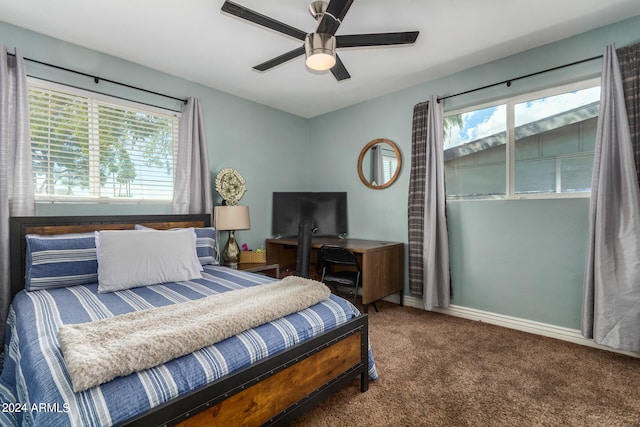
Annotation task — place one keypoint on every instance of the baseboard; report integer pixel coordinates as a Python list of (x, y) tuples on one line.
[(544, 329)]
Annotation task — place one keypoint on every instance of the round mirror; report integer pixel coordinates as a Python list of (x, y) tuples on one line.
[(379, 163)]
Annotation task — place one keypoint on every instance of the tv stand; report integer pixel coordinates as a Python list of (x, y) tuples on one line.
[(382, 262)]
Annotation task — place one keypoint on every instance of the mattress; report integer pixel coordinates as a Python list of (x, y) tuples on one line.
[(35, 388)]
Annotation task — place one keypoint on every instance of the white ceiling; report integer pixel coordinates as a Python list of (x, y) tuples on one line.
[(192, 39)]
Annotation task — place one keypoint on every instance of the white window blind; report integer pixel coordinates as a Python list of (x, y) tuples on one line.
[(389, 164), (88, 146)]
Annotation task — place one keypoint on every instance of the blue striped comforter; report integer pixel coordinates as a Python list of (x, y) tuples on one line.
[(35, 388)]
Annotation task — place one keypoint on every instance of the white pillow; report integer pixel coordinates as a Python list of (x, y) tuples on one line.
[(130, 258)]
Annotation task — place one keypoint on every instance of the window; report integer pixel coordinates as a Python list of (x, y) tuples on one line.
[(389, 162), (90, 147), (537, 145)]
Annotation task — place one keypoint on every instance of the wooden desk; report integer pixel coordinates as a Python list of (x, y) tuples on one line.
[(382, 262)]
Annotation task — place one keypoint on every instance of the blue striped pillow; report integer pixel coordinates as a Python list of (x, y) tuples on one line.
[(205, 243), (60, 260)]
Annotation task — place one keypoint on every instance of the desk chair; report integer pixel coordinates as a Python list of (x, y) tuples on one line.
[(332, 257)]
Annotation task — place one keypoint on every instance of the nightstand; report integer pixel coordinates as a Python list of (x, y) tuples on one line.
[(259, 267)]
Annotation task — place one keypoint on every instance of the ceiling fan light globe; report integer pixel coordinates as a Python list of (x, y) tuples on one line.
[(320, 50), (321, 61)]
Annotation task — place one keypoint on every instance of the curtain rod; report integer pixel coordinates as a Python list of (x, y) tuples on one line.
[(106, 94), (509, 81), (97, 79)]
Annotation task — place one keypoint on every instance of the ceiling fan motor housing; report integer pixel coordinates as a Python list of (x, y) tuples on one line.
[(320, 50)]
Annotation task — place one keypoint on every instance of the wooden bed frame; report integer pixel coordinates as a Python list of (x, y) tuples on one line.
[(276, 390)]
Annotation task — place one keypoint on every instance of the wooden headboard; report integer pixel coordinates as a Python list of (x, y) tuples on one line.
[(48, 225)]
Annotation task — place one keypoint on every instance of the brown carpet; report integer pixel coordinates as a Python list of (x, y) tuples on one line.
[(437, 370)]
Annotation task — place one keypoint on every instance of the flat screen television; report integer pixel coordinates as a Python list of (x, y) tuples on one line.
[(326, 210)]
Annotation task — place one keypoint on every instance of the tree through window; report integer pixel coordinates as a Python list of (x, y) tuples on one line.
[(87, 146)]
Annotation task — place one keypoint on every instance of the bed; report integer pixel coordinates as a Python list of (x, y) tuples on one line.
[(270, 374)]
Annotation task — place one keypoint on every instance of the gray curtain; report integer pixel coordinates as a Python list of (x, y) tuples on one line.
[(629, 59), (16, 180), (428, 238), (192, 189), (611, 305), (377, 166)]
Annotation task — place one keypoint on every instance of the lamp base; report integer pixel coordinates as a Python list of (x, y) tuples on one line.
[(231, 251)]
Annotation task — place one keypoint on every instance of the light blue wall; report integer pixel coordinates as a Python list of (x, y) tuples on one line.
[(521, 258), (267, 146), (518, 258)]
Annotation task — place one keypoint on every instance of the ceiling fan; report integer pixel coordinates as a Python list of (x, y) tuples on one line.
[(320, 47)]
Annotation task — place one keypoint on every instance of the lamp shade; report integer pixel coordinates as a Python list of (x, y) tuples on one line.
[(231, 218)]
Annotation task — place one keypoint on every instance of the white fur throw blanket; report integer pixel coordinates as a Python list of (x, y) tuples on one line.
[(99, 351)]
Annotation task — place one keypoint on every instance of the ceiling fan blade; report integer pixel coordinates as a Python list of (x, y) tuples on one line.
[(339, 71), (280, 59), (257, 18), (380, 39), (336, 11)]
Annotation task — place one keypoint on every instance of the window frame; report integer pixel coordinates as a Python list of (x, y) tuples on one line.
[(119, 102), (510, 163)]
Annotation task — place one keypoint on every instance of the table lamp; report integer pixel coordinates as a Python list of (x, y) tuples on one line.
[(231, 218)]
